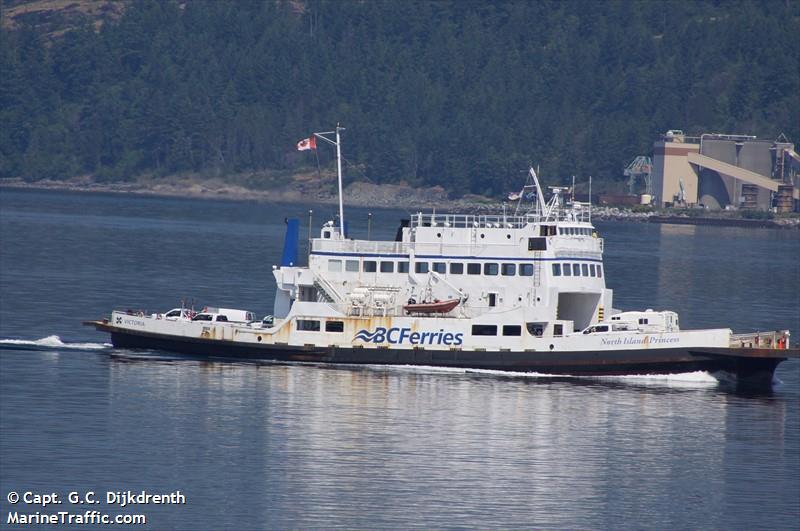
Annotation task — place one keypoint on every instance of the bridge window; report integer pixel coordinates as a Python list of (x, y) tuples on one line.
[(490, 269), (537, 244), (592, 270), (351, 266), (440, 267), (558, 330), (387, 267), (370, 266), (221, 318), (599, 271), (526, 270), (484, 330), (334, 266), (402, 267), (576, 270), (456, 268), (473, 269), (556, 270), (567, 270), (307, 325), (585, 270), (508, 270), (421, 267), (334, 326), (547, 230), (512, 330)]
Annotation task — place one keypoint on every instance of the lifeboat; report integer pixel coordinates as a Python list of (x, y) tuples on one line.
[(431, 307)]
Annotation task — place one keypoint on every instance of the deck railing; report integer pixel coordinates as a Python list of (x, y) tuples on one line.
[(496, 220), (359, 246), (778, 339)]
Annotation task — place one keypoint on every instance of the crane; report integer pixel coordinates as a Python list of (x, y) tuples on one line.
[(640, 167)]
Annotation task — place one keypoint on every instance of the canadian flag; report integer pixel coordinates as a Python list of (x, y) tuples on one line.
[(307, 143)]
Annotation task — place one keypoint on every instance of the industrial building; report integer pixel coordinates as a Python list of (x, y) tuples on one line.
[(721, 171)]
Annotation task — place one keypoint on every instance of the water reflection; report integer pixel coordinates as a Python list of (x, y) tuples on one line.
[(500, 451)]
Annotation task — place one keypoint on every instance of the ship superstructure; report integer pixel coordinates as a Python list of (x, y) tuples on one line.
[(542, 270)]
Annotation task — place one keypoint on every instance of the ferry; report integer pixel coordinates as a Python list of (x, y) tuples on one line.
[(519, 292)]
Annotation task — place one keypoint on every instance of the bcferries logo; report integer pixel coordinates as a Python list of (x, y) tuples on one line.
[(397, 336)]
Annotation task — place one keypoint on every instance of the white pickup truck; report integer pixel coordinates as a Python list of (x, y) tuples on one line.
[(225, 315)]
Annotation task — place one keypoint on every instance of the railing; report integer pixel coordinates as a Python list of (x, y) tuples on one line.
[(364, 247), (359, 246), (578, 253), (778, 339), (470, 220), (577, 213)]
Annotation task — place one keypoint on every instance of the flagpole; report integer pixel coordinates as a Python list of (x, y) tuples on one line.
[(339, 165)]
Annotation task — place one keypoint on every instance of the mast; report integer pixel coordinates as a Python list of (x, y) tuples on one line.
[(539, 193), (339, 168), (338, 144)]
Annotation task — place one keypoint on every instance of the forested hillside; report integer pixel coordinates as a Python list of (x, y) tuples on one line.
[(463, 94)]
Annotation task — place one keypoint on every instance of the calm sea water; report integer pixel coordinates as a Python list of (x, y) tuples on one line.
[(259, 446)]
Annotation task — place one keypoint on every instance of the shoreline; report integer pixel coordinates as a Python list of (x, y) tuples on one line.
[(361, 194), (358, 194)]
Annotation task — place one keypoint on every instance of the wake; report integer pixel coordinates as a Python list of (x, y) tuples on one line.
[(49, 343)]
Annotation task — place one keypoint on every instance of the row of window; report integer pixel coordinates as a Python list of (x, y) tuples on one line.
[(552, 230), (580, 231), (534, 329), (310, 325), (455, 268), (578, 270)]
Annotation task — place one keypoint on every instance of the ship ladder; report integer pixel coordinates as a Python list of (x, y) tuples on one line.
[(537, 269), (324, 295)]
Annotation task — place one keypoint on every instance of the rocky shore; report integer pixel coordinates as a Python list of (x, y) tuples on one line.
[(317, 189)]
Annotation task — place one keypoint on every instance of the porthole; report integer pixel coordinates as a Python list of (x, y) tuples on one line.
[(483, 235), (259, 339), (508, 236), (438, 234)]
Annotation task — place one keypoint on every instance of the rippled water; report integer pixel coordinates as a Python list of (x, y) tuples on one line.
[(256, 446)]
